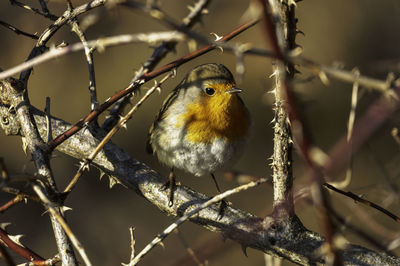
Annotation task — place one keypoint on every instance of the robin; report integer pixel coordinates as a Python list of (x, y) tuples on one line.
[(202, 126)]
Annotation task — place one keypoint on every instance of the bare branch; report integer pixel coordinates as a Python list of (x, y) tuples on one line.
[(99, 44), (34, 10), (89, 58), (18, 248), (56, 214), (14, 94), (189, 214), (17, 31), (12, 202), (364, 201), (53, 28)]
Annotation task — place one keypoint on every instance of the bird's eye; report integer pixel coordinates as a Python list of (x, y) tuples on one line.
[(210, 91)]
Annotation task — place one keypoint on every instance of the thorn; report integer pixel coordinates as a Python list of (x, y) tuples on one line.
[(190, 8), (123, 125), (217, 37), (4, 226), (112, 181), (274, 74), (84, 165), (300, 32), (16, 239), (204, 11), (296, 51), (65, 208), (101, 174), (244, 249), (162, 244)]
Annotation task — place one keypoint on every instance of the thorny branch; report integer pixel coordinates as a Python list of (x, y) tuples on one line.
[(16, 96), (18, 31), (160, 237), (240, 226), (295, 243), (24, 252), (89, 58)]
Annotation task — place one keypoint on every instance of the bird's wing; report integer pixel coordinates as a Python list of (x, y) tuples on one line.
[(166, 104)]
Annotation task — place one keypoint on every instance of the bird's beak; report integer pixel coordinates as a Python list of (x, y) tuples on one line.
[(233, 90)]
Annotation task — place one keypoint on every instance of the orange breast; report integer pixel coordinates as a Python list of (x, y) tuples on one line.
[(220, 116)]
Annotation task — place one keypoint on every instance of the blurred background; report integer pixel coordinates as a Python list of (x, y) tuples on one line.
[(358, 33)]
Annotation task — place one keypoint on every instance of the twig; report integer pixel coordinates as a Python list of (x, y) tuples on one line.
[(89, 58), (34, 10), (98, 44), (189, 214), (18, 248), (363, 201), (132, 232), (53, 28), (275, 35), (159, 53), (54, 212), (15, 191), (40, 158), (17, 31), (283, 144), (12, 202), (49, 262), (110, 134), (141, 80)]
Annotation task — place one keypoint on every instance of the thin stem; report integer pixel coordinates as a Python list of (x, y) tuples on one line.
[(18, 248), (189, 214), (55, 213), (364, 201), (89, 58), (18, 31), (111, 133), (98, 44)]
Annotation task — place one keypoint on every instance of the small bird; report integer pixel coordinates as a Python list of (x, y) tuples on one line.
[(202, 126)]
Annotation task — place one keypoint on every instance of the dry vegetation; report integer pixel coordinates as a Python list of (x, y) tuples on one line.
[(327, 195)]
